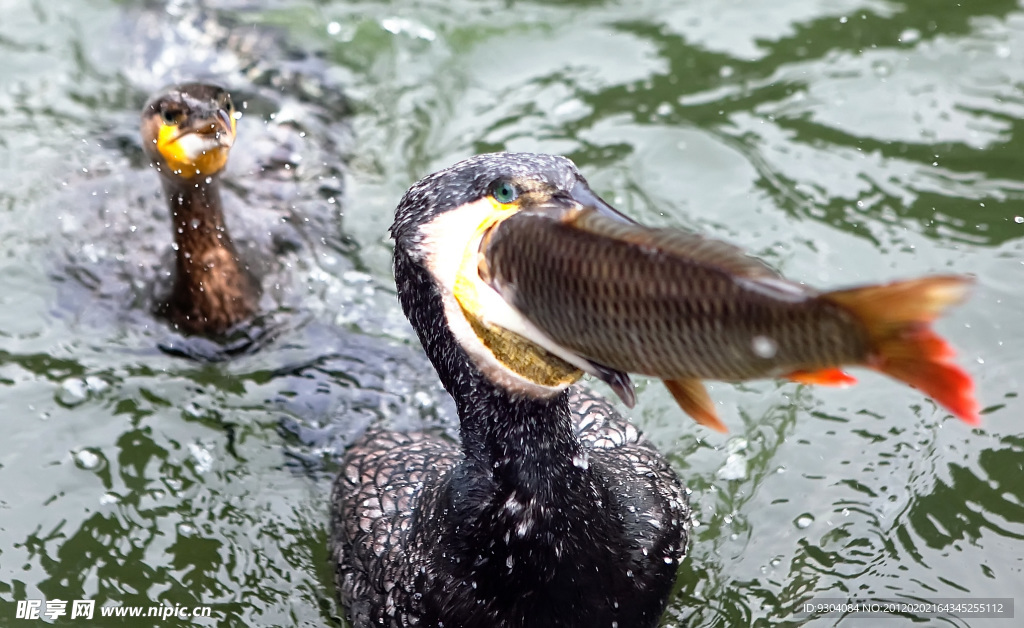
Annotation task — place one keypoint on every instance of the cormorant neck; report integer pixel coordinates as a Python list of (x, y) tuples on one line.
[(511, 437), (520, 441), (196, 216), (212, 291)]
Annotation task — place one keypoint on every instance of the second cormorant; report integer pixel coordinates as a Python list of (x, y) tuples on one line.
[(187, 132)]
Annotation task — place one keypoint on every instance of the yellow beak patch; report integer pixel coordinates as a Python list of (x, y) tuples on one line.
[(192, 153), (516, 353), (468, 286)]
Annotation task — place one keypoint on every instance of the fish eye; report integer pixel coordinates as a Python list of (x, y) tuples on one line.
[(504, 192)]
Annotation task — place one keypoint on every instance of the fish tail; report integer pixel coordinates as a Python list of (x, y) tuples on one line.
[(898, 317)]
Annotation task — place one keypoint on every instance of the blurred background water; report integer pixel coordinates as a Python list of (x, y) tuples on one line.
[(844, 141)]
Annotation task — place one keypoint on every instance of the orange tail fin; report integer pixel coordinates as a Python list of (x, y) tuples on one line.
[(898, 319)]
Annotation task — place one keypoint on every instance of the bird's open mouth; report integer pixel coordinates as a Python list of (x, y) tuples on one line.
[(197, 147), (195, 144), (198, 153)]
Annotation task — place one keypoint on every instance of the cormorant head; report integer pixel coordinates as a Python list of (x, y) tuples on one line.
[(438, 229), (188, 130)]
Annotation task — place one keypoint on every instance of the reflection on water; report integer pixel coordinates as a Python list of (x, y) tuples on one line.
[(845, 142)]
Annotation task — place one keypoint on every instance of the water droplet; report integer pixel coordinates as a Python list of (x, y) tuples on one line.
[(881, 68), (1003, 51), (73, 391), (764, 347), (333, 28), (846, 512), (195, 223), (423, 400), (1018, 219), (726, 71), (202, 457), (735, 468), (96, 384), (185, 529), (89, 460), (397, 25), (803, 521), (909, 36)]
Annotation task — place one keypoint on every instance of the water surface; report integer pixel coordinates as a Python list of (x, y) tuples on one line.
[(843, 141)]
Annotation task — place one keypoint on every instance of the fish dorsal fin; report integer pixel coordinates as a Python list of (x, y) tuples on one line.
[(701, 249)]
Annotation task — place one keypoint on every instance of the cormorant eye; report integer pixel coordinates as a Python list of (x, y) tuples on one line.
[(504, 192), (171, 117), (226, 102)]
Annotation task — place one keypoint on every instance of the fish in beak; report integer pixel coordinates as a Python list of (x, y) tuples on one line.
[(611, 297)]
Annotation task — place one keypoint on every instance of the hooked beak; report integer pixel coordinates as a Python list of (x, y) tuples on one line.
[(224, 128), (580, 199), (217, 130), (584, 196)]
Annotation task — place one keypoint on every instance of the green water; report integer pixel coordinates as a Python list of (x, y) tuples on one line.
[(844, 141)]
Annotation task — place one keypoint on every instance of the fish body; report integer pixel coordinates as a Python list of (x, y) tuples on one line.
[(685, 308)]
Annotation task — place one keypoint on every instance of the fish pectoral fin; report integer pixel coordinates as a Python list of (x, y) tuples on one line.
[(693, 398), (824, 377), (617, 380)]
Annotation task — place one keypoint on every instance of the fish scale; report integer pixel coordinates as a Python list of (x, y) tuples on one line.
[(612, 297), (639, 309)]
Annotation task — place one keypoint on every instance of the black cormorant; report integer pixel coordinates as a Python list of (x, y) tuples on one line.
[(553, 510)]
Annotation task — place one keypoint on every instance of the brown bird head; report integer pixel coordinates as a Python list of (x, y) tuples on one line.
[(188, 130)]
